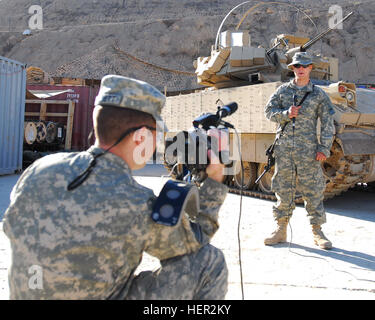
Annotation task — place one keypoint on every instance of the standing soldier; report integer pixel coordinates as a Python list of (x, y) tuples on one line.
[(82, 222), (298, 152)]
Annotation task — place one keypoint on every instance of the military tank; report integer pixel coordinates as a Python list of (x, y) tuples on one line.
[(237, 71)]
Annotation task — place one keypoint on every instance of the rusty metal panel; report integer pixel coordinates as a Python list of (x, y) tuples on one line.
[(12, 108), (84, 98)]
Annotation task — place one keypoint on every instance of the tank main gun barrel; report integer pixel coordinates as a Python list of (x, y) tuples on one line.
[(281, 41), (290, 53), (308, 44)]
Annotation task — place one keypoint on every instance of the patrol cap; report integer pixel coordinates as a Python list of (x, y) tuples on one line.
[(301, 58), (123, 92)]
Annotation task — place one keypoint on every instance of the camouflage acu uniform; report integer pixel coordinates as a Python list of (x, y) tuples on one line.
[(295, 153), (88, 242)]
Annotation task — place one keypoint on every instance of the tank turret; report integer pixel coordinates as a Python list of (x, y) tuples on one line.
[(235, 62)]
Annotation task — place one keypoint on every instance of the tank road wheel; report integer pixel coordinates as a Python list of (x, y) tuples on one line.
[(249, 174), (265, 182)]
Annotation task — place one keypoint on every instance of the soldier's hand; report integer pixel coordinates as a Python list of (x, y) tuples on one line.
[(293, 111), (215, 170), (320, 156)]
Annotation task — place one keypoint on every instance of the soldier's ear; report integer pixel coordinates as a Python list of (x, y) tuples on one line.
[(140, 135)]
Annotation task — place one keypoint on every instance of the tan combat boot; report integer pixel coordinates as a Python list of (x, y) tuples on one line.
[(279, 235), (319, 237)]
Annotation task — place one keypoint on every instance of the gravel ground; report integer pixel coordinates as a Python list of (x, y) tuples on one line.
[(294, 270)]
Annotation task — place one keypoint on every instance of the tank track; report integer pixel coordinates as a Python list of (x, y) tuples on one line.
[(256, 193), (335, 191), (342, 173), (261, 195), (252, 193)]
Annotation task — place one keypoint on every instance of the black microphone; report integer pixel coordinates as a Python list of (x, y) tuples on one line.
[(227, 110)]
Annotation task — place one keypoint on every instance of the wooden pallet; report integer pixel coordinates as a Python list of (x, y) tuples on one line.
[(43, 114)]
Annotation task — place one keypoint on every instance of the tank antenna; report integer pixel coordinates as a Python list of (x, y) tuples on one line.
[(252, 8)]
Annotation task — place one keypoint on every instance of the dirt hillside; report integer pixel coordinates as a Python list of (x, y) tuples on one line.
[(145, 39)]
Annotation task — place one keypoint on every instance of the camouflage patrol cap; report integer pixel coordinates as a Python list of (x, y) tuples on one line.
[(118, 91), (301, 58)]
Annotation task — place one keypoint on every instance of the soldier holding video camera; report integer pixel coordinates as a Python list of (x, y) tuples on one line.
[(85, 222)]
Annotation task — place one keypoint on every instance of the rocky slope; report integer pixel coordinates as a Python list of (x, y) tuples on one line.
[(91, 38)]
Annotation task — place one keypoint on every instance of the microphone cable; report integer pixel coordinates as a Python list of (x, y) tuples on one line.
[(240, 214)]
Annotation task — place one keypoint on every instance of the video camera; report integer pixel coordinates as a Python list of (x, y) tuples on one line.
[(186, 152)]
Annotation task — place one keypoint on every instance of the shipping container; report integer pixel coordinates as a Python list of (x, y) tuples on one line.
[(84, 98), (12, 109)]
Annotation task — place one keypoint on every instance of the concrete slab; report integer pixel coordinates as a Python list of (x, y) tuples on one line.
[(6, 186), (294, 270), (299, 269)]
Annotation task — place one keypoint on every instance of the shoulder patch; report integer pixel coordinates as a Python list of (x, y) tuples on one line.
[(175, 198)]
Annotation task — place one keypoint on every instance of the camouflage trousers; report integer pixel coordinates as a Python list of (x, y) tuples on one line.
[(298, 171), (202, 275)]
